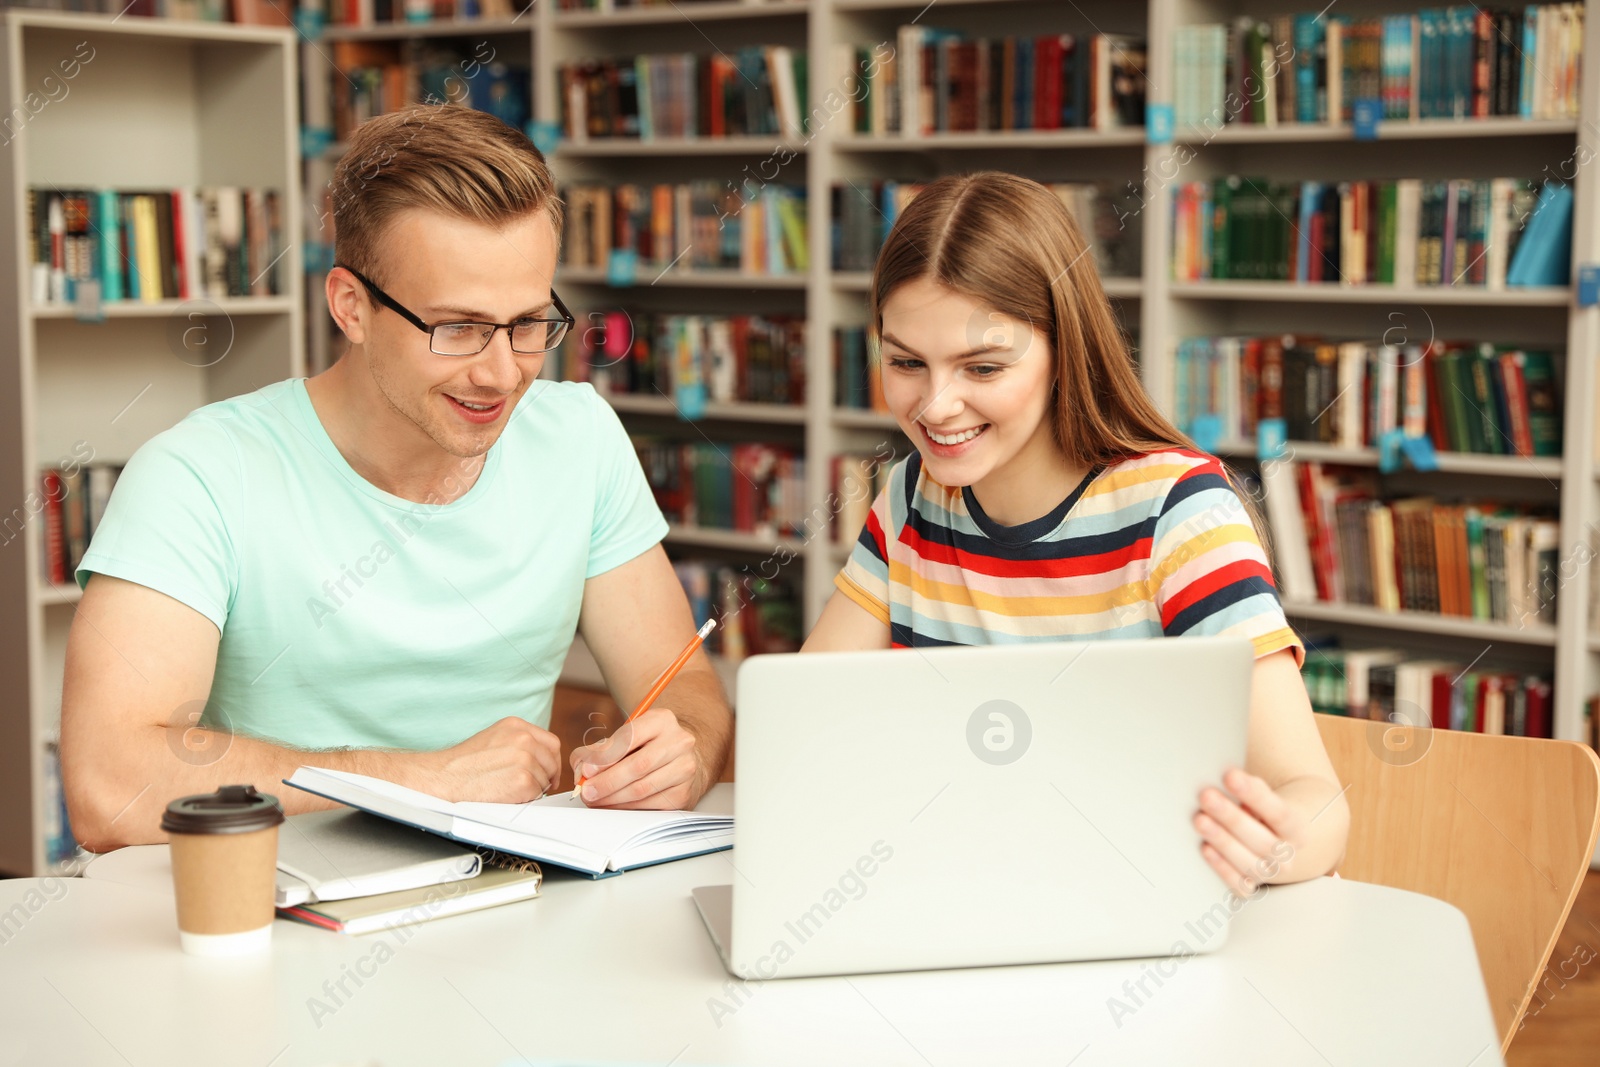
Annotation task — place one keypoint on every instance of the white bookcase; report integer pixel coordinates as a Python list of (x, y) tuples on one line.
[(1158, 312), (160, 105)]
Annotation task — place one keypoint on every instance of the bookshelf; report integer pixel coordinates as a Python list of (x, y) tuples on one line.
[(1157, 312), (161, 105)]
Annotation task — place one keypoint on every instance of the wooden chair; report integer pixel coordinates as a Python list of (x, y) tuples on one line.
[(1501, 827)]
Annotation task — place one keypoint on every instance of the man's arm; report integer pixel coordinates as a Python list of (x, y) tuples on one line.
[(138, 661), (636, 620)]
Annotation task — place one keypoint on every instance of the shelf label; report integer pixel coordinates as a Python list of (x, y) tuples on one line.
[(1419, 450), (1272, 438), (690, 399), (318, 257), (1588, 285), (1158, 124), (310, 22), (622, 267), (1206, 432), (1389, 446), (546, 136), (314, 141), (1365, 114)]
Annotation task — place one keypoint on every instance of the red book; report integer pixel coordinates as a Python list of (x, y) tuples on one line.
[(1250, 386), (179, 260), (1516, 387), (1318, 224), (1441, 700), (721, 72), (55, 540), (1538, 724)]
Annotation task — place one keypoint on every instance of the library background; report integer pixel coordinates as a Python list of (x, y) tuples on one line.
[(1355, 252)]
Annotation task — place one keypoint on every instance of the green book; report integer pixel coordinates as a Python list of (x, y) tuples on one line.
[(1222, 223), (1544, 403), (1493, 442), (1387, 203), (1458, 403), (1477, 559)]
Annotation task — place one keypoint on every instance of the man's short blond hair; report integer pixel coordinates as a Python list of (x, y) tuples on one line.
[(443, 157)]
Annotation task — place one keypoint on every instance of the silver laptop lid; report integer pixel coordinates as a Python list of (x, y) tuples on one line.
[(959, 806)]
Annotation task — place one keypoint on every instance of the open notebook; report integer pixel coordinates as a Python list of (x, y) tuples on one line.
[(558, 829)]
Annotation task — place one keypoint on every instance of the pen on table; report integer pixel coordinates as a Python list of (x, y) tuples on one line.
[(661, 684)]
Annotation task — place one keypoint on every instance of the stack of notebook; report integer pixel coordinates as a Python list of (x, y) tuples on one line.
[(355, 873)]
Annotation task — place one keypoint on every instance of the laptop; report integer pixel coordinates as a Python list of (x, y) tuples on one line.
[(972, 806)]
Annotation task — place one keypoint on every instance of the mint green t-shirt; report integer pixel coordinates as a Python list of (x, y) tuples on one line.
[(352, 617)]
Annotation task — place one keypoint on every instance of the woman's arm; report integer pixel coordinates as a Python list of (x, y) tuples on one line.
[(846, 626), (1284, 817)]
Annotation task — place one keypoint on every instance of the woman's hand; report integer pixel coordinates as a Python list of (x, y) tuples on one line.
[(1247, 837)]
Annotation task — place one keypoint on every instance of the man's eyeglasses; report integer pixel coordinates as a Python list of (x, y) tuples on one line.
[(528, 336)]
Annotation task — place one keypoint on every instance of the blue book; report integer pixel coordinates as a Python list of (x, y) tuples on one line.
[(1530, 40), (1428, 64), (1544, 255), (1461, 64), (1024, 90), (1310, 197), (109, 266), (1307, 32)]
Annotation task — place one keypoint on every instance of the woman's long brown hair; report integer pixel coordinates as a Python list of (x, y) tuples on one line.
[(1011, 245)]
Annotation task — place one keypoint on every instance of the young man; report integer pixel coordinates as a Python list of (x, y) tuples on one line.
[(380, 569)]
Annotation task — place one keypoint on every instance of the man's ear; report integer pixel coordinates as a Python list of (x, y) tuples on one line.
[(348, 304)]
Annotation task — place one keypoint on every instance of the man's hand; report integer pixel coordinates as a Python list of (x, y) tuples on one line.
[(651, 762), (511, 762)]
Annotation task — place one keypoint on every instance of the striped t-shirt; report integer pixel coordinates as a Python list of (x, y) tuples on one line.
[(1149, 546)]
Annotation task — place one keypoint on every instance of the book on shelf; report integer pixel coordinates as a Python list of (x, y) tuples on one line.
[(384, 12), (1488, 233), (1489, 561), (374, 78), (1459, 62), (699, 225), (71, 500), (750, 486), (1462, 396), (751, 91), (1384, 685), (751, 359), (169, 244), (242, 12), (857, 383), (939, 81), (1108, 215), (756, 614), (630, 5)]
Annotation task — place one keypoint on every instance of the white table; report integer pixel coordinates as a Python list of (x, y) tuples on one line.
[(621, 971)]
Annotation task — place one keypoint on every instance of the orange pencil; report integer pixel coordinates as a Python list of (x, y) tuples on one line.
[(662, 682)]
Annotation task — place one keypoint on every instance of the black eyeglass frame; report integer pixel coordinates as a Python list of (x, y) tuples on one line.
[(417, 320)]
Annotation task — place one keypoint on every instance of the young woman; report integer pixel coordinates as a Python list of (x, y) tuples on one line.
[(1048, 499)]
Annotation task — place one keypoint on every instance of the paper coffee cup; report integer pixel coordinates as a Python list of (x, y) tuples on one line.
[(224, 864)]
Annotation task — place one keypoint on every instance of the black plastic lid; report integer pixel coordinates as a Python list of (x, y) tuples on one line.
[(232, 809)]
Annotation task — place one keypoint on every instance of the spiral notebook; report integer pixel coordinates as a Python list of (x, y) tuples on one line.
[(558, 830)]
